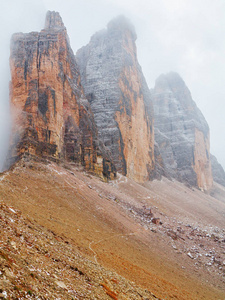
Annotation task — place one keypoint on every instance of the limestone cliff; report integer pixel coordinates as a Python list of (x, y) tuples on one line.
[(217, 171), (119, 98), (181, 133), (52, 117)]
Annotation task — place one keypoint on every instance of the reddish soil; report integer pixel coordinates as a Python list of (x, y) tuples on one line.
[(183, 257)]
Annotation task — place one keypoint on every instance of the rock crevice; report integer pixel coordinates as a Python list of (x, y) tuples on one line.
[(181, 132), (115, 87), (52, 118)]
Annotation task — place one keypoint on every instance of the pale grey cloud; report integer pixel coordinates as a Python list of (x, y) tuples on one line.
[(14, 16), (173, 35)]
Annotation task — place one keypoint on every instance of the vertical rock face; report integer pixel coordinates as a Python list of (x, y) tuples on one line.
[(181, 133), (217, 171), (51, 114), (119, 98), (53, 117)]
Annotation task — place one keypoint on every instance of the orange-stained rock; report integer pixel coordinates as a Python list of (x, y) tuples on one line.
[(52, 117), (119, 98), (135, 130), (202, 162)]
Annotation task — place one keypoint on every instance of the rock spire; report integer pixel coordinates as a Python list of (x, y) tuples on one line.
[(181, 132), (117, 92), (52, 117)]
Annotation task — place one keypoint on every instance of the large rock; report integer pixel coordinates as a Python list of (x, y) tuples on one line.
[(119, 98), (181, 133), (217, 171), (52, 117)]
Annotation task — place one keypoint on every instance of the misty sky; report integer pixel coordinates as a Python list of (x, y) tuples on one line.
[(186, 36)]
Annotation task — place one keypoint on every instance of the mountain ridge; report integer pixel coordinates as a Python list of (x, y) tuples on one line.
[(116, 89), (73, 226), (52, 118), (96, 109), (182, 132)]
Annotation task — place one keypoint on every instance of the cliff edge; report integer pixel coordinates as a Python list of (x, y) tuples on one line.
[(181, 132), (52, 117), (117, 92)]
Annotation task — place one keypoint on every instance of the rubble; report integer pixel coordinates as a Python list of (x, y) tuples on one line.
[(35, 263)]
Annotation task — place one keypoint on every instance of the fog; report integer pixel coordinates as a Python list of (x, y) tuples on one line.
[(173, 35), (14, 16)]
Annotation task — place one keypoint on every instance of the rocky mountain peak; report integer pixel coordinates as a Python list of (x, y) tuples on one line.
[(96, 109), (181, 132), (120, 25), (217, 171), (173, 83), (53, 20), (116, 89), (53, 118), (169, 81)]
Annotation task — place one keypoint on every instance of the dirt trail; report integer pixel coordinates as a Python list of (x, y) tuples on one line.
[(110, 223)]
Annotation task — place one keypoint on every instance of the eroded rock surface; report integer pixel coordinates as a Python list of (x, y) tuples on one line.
[(119, 98), (217, 171), (181, 132), (52, 117)]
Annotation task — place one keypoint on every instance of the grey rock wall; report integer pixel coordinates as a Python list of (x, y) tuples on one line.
[(116, 89), (217, 171), (181, 132)]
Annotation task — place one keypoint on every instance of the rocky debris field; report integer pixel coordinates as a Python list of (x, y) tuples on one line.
[(35, 263), (65, 234), (205, 246)]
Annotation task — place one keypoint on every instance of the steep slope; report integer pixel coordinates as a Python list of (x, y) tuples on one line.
[(118, 95), (37, 263), (78, 235), (217, 171), (181, 133), (51, 114)]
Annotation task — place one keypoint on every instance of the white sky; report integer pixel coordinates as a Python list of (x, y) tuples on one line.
[(186, 36)]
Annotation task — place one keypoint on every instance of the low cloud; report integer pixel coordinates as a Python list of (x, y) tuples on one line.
[(176, 35)]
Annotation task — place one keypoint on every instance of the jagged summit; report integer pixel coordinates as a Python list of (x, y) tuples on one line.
[(173, 85), (116, 30), (52, 118), (173, 82), (97, 108), (53, 20), (170, 81), (121, 24), (116, 89), (181, 132)]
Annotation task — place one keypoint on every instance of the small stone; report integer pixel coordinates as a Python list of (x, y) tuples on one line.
[(156, 221), (61, 284), (189, 254), (8, 273), (12, 210), (13, 244)]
